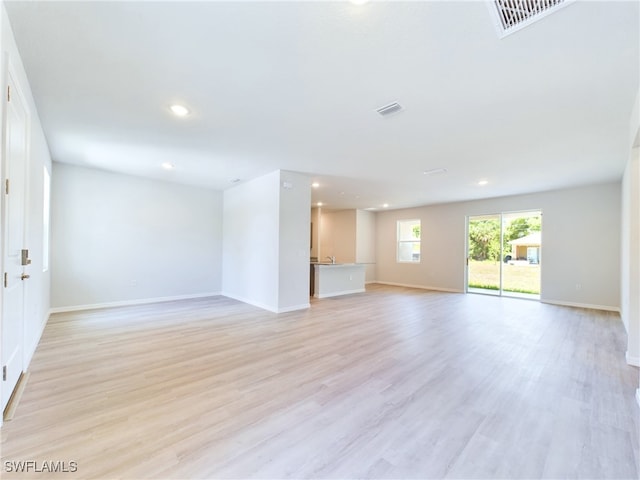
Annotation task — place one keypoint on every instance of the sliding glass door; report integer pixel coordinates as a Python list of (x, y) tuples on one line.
[(483, 255), (504, 254)]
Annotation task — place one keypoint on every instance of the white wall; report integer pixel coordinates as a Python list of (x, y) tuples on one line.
[(366, 242), (630, 259), (37, 300), (266, 229), (442, 242), (633, 340), (119, 239), (581, 244), (250, 241), (293, 263), (630, 265)]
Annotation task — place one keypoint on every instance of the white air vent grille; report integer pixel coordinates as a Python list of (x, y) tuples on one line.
[(515, 14), (390, 109)]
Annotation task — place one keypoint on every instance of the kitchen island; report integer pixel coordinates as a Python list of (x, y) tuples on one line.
[(333, 279)]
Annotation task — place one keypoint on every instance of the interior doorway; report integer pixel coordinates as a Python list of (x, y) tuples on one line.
[(504, 254)]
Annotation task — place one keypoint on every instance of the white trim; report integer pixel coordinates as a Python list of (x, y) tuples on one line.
[(422, 287), (336, 294), (371, 281), (293, 308), (263, 306), (607, 308), (253, 303), (398, 241), (126, 303), (631, 360), (638, 396)]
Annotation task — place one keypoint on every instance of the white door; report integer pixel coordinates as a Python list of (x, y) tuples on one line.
[(15, 274)]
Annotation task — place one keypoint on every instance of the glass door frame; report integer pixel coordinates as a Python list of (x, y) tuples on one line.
[(500, 291), (482, 291)]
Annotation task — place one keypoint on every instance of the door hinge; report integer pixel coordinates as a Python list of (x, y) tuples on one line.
[(6, 187), (6, 279), (8, 93), (4, 373)]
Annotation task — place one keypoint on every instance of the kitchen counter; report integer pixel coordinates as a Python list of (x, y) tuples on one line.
[(333, 279)]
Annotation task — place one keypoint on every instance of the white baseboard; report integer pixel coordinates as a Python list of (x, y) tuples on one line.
[(607, 308), (422, 287), (294, 308), (337, 294), (126, 303), (248, 301), (264, 306), (635, 361)]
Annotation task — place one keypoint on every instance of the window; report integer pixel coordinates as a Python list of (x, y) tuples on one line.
[(46, 191), (409, 241)]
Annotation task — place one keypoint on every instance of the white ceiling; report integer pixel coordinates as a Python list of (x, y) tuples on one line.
[(295, 85)]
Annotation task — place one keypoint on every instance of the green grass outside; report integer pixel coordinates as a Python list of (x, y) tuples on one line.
[(516, 278)]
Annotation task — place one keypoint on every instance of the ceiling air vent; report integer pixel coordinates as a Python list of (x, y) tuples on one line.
[(390, 109), (516, 14)]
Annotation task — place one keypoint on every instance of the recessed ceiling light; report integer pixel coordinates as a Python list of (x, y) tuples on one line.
[(385, 205), (319, 204), (435, 171), (168, 166), (315, 184), (483, 182), (179, 110)]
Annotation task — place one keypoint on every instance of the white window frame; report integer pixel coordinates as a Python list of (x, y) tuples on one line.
[(400, 241)]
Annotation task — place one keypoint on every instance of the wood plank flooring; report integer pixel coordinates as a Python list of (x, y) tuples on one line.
[(392, 383)]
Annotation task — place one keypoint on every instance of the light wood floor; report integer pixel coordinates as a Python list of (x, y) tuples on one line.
[(392, 383)]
